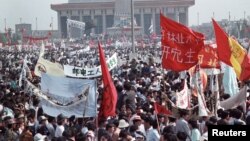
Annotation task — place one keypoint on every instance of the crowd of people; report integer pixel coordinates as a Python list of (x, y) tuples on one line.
[(139, 83)]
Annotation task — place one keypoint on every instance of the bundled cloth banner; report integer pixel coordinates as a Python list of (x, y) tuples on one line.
[(79, 72), (48, 67), (69, 96)]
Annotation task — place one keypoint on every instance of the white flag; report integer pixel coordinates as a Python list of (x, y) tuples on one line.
[(182, 99)]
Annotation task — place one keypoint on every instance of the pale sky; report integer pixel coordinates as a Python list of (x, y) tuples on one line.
[(28, 10)]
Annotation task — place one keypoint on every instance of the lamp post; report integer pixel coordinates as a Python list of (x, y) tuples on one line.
[(132, 27)]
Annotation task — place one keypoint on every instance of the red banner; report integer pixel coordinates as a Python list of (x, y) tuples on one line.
[(180, 45), (208, 57), (35, 38)]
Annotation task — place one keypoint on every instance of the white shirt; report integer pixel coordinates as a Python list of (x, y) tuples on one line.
[(195, 135), (59, 131), (152, 135)]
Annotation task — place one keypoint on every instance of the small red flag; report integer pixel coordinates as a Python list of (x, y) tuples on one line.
[(109, 96), (208, 57), (180, 45), (161, 109)]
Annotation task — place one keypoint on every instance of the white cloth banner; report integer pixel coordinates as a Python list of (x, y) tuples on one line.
[(79, 51), (77, 24), (79, 72), (235, 100), (182, 98), (46, 66), (69, 96)]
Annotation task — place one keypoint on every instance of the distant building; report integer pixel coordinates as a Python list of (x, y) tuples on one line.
[(104, 13), (237, 28)]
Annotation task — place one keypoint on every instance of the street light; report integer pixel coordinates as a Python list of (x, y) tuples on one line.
[(132, 27)]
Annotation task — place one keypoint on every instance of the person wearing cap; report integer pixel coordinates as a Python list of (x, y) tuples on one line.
[(60, 125), (42, 129), (123, 124)]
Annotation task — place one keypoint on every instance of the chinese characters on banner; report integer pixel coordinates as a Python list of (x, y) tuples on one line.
[(180, 45), (73, 71), (208, 57)]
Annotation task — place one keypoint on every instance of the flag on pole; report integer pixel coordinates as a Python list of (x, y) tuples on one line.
[(23, 72), (182, 97), (229, 81), (109, 96), (161, 109), (232, 53), (151, 27), (180, 45), (208, 57), (42, 49), (203, 111)]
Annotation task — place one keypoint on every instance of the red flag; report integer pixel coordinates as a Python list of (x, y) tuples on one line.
[(223, 48), (208, 57), (232, 53), (109, 96), (161, 109), (180, 45)]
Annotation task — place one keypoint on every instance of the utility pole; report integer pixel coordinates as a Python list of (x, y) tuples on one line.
[(198, 18), (36, 23), (5, 25), (132, 27)]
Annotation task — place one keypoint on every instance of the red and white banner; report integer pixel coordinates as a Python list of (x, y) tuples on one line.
[(208, 57), (182, 97)]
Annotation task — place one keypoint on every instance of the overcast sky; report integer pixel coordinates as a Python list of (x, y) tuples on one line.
[(28, 10)]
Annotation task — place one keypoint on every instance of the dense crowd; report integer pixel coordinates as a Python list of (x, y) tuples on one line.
[(139, 83)]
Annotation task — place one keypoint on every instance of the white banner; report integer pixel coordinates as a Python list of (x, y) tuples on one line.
[(69, 96), (235, 100), (182, 98), (46, 66), (79, 72), (77, 24), (79, 51)]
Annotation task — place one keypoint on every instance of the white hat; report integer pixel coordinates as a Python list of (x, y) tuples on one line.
[(123, 124), (39, 137), (84, 130)]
